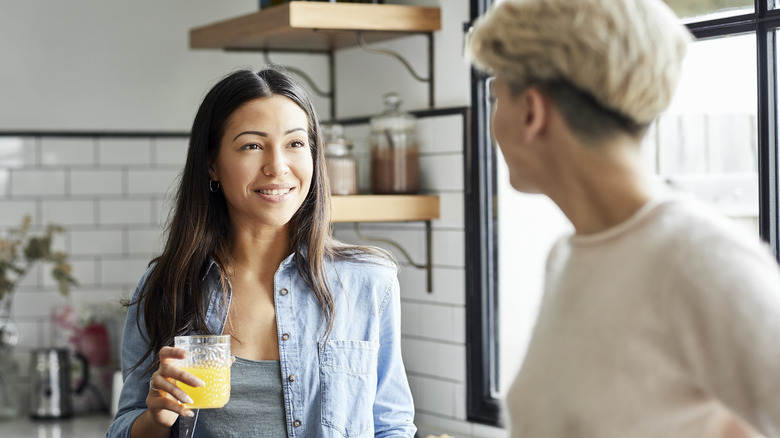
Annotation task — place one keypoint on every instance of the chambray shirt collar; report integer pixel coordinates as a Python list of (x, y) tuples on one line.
[(213, 269)]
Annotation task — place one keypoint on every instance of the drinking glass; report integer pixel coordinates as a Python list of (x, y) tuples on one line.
[(208, 358)]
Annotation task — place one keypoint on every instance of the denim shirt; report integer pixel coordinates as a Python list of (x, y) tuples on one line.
[(351, 385)]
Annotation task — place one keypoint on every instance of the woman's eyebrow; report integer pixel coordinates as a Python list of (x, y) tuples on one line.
[(258, 133), (264, 134)]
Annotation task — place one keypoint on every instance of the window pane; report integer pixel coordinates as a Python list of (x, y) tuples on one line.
[(705, 144), (710, 9), (528, 225)]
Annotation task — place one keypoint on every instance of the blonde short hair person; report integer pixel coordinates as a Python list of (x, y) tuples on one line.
[(659, 317)]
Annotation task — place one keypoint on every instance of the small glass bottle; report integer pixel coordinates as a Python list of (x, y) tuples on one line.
[(395, 155), (342, 166)]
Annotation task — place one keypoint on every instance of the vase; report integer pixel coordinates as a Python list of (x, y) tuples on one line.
[(10, 394)]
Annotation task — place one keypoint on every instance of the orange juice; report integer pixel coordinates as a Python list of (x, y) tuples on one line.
[(216, 392)]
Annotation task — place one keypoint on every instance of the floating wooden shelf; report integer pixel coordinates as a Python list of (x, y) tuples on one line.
[(315, 26), (384, 208)]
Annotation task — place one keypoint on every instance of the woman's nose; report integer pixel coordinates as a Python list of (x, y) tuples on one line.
[(275, 164)]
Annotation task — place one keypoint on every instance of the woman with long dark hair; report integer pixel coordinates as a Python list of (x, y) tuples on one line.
[(314, 323)]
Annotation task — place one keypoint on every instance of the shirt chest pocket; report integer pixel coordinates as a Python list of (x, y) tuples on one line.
[(348, 378)]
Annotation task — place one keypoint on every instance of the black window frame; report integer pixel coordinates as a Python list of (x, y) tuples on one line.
[(480, 198)]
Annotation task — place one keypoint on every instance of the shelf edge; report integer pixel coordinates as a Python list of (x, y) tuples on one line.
[(384, 208), (304, 19)]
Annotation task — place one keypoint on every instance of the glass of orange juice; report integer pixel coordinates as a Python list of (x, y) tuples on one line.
[(208, 358)]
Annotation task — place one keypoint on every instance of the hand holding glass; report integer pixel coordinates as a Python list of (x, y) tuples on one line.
[(208, 358)]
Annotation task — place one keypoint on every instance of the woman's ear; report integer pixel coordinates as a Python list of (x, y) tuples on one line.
[(535, 113), (212, 171)]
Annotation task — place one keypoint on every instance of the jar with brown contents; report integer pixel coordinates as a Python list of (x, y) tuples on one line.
[(395, 155)]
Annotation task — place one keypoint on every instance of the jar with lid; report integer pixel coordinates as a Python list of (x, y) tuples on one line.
[(395, 155), (342, 166)]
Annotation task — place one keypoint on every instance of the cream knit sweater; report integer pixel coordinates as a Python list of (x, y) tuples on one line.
[(654, 329)]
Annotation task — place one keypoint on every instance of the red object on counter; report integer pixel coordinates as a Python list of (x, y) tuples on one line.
[(94, 344)]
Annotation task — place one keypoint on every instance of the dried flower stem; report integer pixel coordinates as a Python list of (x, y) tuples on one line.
[(20, 251)]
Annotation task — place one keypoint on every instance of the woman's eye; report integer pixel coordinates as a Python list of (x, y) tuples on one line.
[(297, 144), (251, 146)]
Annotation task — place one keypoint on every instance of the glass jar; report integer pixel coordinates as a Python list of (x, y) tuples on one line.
[(395, 156), (342, 166)]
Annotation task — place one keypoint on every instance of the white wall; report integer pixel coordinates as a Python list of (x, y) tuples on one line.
[(362, 78), (112, 65), (125, 66)]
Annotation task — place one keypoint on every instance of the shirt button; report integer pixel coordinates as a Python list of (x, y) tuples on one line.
[(285, 336), (283, 292), (297, 423), (291, 378)]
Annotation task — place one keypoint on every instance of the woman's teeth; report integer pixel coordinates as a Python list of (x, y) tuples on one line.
[(274, 192)]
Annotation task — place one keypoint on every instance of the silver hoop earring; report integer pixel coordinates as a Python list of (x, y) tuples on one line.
[(212, 188)]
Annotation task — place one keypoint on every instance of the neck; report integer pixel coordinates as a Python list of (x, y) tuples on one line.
[(260, 252), (602, 186)]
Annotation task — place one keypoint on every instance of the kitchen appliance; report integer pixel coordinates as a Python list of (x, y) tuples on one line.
[(51, 381)]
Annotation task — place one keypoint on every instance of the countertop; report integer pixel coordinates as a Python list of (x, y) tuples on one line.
[(93, 425)]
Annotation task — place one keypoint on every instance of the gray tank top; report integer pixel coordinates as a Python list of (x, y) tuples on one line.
[(256, 405)]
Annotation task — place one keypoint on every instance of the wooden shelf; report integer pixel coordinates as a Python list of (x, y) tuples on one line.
[(384, 208), (315, 26)]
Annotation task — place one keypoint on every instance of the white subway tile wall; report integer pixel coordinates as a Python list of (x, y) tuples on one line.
[(108, 193), (124, 151), (64, 212), (67, 151), (170, 151), (38, 182), (97, 182), (15, 151), (432, 323)]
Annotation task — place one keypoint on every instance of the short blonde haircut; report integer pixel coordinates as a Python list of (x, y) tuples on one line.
[(625, 54)]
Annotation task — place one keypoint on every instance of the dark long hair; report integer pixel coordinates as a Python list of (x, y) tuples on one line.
[(199, 229)]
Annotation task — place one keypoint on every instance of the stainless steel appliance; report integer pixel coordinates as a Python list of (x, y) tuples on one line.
[(51, 381)]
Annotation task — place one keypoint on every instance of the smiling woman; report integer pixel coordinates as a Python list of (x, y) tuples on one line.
[(250, 254)]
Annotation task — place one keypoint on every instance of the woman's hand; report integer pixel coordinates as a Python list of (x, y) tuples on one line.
[(165, 399)]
